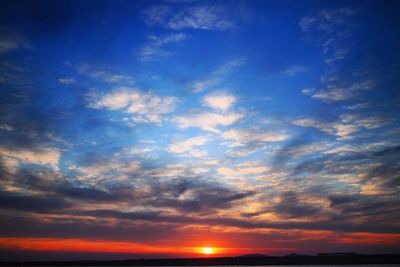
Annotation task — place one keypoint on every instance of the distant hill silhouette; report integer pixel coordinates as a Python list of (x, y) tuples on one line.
[(256, 255), (257, 259)]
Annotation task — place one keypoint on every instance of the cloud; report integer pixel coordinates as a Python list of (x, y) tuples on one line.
[(243, 142), (104, 73), (345, 127), (219, 100), (244, 169), (42, 156), (187, 145), (154, 48), (326, 20), (107, 171), (11, 41), (67, 80), (216, 77), (299, 150), (188, 196), (290, 206), (358, 205), (243, 136), (383, 177), (333, 29), (32, 203), (7, 45), (201, 17), (294, 70), (143, 107), (6, 127), (335, 93), (208, 121)]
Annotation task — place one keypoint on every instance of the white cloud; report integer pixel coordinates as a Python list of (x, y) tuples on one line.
[(345, 127), (241, 137), (104, 73), (199, 86), (178, 170), (208, 121), (219, 100), (353, 148), (333, 95), (106, 171), (43, 156), (244, 169), (198, 153), (143, 107), (248, 141), (187, 145), (154, 48), (336, 93), (147, 152), (305, 149), (359, 106)]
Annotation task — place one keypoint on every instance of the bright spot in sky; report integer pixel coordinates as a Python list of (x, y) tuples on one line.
[(207, 250)]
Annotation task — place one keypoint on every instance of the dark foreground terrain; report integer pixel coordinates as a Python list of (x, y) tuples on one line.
[(256, 260)]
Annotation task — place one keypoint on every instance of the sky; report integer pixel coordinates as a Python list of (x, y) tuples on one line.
[(147, 129)]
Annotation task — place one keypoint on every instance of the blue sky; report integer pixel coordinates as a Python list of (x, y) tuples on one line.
[(212, 121)]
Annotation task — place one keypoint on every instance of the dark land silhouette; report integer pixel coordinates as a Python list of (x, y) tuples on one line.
[(255, 259)]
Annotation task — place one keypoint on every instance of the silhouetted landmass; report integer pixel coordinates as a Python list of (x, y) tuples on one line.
[(327, 258), (256, 255)]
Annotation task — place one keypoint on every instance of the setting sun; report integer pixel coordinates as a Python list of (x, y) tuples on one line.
[(207, 250)]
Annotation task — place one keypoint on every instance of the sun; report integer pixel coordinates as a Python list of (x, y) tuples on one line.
[(207, 250)]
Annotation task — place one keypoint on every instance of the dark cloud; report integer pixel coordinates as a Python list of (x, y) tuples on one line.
[(387, 171), (290, 206), (32, 203), (360, 206), (204, 197)]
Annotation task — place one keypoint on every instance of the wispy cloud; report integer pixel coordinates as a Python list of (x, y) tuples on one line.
[(11, 41), (67, 80), (187, 145), (345, 127), (243, 142), (104, 73), (154, 49), (241, 170), (294, 70), (208, 121), (42, 156), (143, 107), (327, 20), (197, 16), (333, 30), (217, 76), (335, 93)]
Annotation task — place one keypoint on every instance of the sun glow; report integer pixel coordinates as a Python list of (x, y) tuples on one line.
[(207, 250)]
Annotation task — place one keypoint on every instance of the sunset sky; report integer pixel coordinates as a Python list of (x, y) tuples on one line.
[(198, 128)]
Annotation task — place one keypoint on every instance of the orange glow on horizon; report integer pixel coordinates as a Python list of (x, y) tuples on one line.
[(81, 245), (102, 246)]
